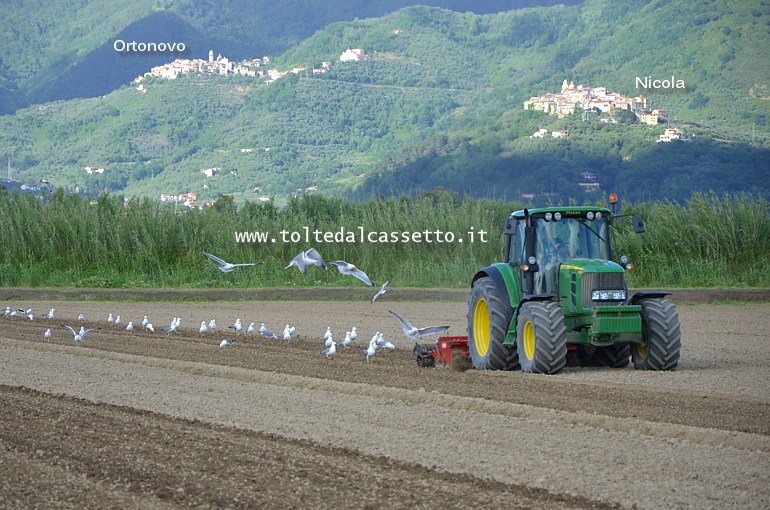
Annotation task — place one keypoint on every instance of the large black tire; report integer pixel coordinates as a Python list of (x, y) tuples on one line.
[(662, 335), (541, 337), (488, 318)]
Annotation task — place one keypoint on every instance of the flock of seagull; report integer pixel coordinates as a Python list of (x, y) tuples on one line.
[(302, 261), (307, 258), (376, 342)]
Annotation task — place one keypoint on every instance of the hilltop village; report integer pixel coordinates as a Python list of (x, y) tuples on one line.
[(570, 100)]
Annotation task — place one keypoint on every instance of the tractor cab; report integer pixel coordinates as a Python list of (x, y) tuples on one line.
[(540, 241)]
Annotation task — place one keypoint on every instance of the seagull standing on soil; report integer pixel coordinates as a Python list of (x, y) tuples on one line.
[(328, 333), (262, 328), (202, 330), (331, 351), (370, 351), (227, 267), (349, 269), (145, 322), (118, 321), (270, 335), (80, 335), (236, 326), (50, 314), (250, 329), (353, 333), (310, 257), (346, 341), (110, 320), (213, 324), (226, 342), (130, 326), (47, 334), (413, 332), (81, 317), (380, 292)]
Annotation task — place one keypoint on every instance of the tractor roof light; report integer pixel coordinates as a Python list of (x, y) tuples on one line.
[(599, 214), (624, 260), (557, 216), (590, 215), (548, 216)]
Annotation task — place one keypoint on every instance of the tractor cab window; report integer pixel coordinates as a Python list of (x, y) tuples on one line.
[(567, 238)]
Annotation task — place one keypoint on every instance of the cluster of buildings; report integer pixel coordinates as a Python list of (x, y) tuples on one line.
[(572, 99), (223, 66)]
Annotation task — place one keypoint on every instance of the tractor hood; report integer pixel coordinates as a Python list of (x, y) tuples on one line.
[(587, 283), (590, 266)]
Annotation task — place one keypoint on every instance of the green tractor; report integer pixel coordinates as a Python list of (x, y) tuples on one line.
[(559, 296)]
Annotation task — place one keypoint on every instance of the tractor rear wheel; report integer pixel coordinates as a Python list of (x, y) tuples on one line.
[(662, 335), (541, 337), (488, 319)]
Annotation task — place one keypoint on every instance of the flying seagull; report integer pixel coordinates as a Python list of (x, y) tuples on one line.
[(413, 332), (307, 258), (380, 292), (80, 335), (349, 269), (227, 267)]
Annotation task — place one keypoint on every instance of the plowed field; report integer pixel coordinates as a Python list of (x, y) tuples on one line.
[(156, 420)]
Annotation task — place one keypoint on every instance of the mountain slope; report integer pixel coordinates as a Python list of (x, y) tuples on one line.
[(52, 50), (439, 104)]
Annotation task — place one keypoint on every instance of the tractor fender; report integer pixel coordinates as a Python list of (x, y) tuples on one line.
[(503, 278), (645, 294)]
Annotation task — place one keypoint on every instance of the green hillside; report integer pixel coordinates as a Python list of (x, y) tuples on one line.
[(52, 50), (438, 104)]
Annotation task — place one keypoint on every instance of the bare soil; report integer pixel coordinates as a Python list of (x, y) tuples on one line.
[(162, 420)]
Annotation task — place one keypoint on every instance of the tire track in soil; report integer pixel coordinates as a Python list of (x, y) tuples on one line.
[(69, 453)]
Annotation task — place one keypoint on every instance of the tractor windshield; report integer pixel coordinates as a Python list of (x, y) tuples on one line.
[(571, 238), (567, 238)]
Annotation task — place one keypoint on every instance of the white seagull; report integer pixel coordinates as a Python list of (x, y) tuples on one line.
[(110, 319), (118, 321), (50, 314), (81, 317), (353, 333), (130, 326), (47, 334), (250, 329), (349, 269), (262, 328), (236, 326), (213, 324), (380, 292), (413, 332), (307, 258), (80, 335), (226, 342), (227, 267), (346, 341), (202, 330), (145, 322), (381, 342), (270, 335), (328, 333), (370, 351), (150, 327), (331, 351)]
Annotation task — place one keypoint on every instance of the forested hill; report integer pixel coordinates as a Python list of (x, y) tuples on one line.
[(439, 103), (52, 49)]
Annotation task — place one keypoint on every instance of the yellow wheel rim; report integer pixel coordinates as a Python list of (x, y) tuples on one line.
[(529, 340), (641, 350), (481, 327)]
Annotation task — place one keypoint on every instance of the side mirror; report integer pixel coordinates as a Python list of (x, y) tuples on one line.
[(638, 224)]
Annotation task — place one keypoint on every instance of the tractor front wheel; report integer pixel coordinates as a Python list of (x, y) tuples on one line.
[(662, 336), (541, 337), (488, 319)]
